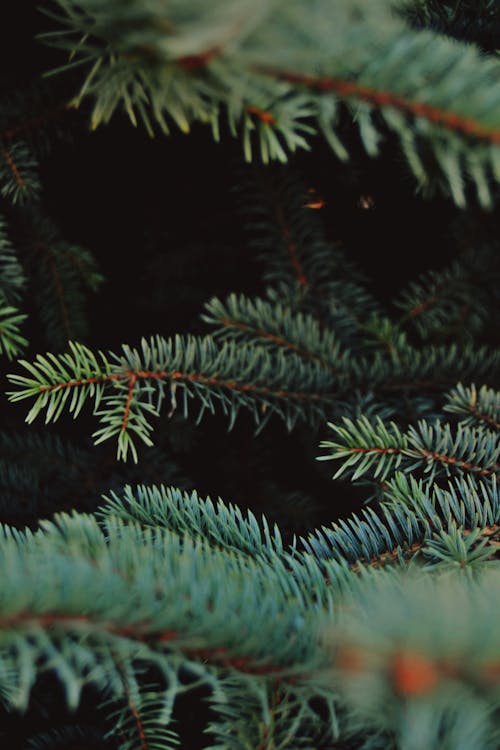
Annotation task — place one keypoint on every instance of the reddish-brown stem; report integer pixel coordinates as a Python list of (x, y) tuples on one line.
[(391, 556), (483, 417), (375, 450), (126, 412), (261, 333), (292, 249), (330, 84), (262, 115), (14, 169), (80, 382), (138, 631), (233, 385), (461, 464), (195, 62), (135, 712)]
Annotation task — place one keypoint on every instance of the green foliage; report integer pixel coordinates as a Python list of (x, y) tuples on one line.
[(260, 321), (18, 173), (141, 718), (128, 389), (455, 302), (12, 279), (11, 340), (206, 65), (325, 345), (222, 526), (413, 521), (472, 20), (61, 275), (403, 675), (374, 631), (476, 408), (282, 659), (303, 269), (377, 449)]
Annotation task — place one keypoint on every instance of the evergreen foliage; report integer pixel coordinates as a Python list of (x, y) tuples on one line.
[(137, 611), (205, 63)]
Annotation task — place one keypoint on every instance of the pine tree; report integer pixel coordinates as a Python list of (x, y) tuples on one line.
[(242, 329)]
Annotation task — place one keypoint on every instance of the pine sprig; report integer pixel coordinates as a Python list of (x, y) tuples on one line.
[(100, 603), (12, 278), (453, 302), (19, 181), (475, 407), (11, 340), (391, 670), (61, 275), (261, 322), (304, 270), (140, 721), (431, 368), (416, 522), (162, 67), (129, 389), (187, 514), (374, 449)]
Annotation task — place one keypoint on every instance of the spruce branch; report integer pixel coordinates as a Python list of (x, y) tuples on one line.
[(452, 526), (130, 388), (259, 321), (431, 368), (186, 513), (393, 672), (19, 180), (12, 278), (164, 587), (302, 268), (377, 450), (267, 645), (140, 719), (11, 340), (474, 21), (452, 302), (209, 65), (62, 274), (476, 407)]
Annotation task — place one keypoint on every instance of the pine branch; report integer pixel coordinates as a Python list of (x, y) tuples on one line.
[(19, 181), (145, 597), (12, 279), (377, 450), (456, 526), (454, 302), (392, 672), (130, 388), (305, 271), (428, 369), (61, 276), (475, 21), (371, 61), (187, 514), (11, 340), (90, 643), (477, 408), (141, 721), (259, 321)]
